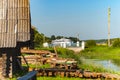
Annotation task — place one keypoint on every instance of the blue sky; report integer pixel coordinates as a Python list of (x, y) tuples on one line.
[(88, 18)]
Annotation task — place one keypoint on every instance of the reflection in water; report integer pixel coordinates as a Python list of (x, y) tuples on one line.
[(108, 64)]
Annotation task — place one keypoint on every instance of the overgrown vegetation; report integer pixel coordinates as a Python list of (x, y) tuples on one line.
[(93, 68), (102, 53), (116, 42), (65, 53), (90, 43)]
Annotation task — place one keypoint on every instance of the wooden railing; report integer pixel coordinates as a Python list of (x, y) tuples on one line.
[(29, 76)]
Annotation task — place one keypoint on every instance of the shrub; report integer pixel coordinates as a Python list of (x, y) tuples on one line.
[(116, 43), (90, 43)]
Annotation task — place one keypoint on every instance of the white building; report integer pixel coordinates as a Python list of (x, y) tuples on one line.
[(62, 42), (45, 44), (78, 44), (83, 45)]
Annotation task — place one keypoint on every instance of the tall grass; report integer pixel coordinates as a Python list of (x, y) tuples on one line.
[(94, 68), (102, 53), (65, 53)]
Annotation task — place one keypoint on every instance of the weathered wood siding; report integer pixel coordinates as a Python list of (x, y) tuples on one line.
[(15, 22)]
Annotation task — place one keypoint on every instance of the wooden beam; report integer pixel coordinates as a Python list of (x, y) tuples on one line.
[(31, 51)]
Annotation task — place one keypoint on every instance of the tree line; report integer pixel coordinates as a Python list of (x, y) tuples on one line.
[(40, 38)]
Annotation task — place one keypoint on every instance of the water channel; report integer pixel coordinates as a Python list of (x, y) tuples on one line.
[(107, 64)]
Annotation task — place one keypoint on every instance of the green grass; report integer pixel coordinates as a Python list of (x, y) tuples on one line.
[(94, 68), (38, 66), (102, 53), (65, 53), (58, 78)]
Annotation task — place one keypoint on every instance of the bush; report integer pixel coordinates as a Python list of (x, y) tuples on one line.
[(90, 43), (116, 43), (65, 53)]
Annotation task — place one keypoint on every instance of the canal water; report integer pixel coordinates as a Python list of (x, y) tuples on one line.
[(107, 64)]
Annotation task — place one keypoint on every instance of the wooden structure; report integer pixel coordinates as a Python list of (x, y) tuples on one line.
[(32, 51), (15, 32), (77, 73)]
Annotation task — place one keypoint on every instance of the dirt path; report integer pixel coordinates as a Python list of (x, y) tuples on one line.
[(75, 49)]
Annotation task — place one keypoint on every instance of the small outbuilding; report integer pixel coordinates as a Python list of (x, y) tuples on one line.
[(15, 32)]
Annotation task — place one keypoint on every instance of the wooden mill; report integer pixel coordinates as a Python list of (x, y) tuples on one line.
[(15, 32)]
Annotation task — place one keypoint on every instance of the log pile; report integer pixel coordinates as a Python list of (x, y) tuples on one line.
[(64, 67), (31, 59), (77, 73)]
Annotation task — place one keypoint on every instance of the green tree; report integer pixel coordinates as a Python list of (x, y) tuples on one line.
[(116, 42), (74, 39), (59, 37), (90, 43), (38, 37), (53, 37)]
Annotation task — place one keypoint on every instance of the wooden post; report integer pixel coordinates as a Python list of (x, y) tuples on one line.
[(4, 65), (11, 73), (55, 51)]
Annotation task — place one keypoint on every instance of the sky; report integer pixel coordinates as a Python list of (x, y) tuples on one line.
[(88, 18)]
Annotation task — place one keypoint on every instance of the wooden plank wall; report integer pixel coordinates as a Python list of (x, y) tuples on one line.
[(15, 22)]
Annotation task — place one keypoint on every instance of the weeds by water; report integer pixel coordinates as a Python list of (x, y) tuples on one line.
[(102, 53)]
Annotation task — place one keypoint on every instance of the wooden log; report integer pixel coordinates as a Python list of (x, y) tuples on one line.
[(80, 75), (87, 74), (58, 73), (11, 70), (99, 75), (54, 73), (40, 74), (77, 73), (50, 73), (67, 74), (94, 75), (44, 73), (57, 70), (4, 65), (30, 51), (72, 74), (62, 74)]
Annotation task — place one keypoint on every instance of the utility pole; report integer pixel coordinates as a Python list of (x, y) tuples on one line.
[(109, 26), (78, 37)]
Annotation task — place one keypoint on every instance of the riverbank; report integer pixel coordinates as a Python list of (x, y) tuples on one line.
[(102, 53), (105, 55)]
